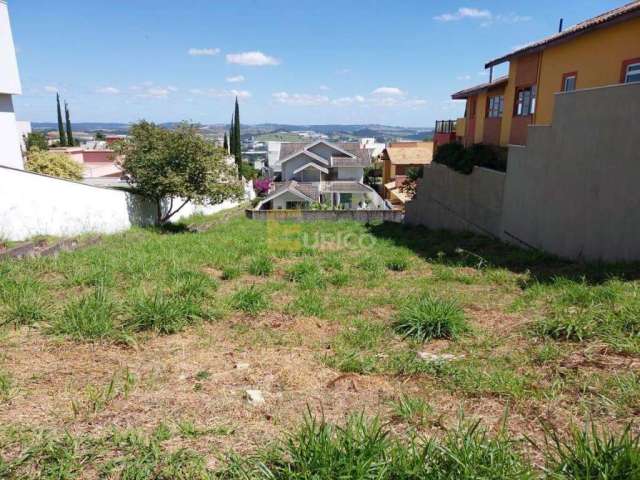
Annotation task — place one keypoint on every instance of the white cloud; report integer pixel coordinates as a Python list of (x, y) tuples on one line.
[(389, 98), (463, 12), (463, 77), (300, 99), (344, 101), (215, 93), (51, 89), (324, 88), (149, 90), (388, 92), (203, 52), (236, 79), (108, 90), (486, 16), (252, 59), (343, 71)]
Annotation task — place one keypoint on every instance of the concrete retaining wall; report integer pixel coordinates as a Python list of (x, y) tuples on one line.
[(572, 191), (449, 200), (33, 204), (364, 216)]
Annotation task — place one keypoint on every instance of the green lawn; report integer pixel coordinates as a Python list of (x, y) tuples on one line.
[(131, 358)]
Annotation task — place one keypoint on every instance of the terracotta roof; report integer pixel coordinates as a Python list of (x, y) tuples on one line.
[(420, 155), (467, 92), (625, 12)]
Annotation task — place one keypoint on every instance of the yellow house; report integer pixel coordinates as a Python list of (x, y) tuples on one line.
[(601, 51)]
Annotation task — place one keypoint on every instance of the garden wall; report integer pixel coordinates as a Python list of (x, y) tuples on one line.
[(33, 204), (450, 200), (364, 216)]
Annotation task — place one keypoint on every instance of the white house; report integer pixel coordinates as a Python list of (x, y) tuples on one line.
[(325, 173), (10, 150)]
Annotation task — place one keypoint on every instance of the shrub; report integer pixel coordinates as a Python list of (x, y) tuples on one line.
[(53, 164), (461, 159), (430, 317), (250, 300)]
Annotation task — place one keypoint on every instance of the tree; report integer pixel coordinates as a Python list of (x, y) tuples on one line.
[(237, 147), (70, 141), (63, 138), (232, 142), (177, 166), (225, 143), (100, 136), (54, 164), (33, 140)]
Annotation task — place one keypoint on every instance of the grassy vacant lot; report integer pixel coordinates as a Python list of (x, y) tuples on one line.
[(381, 352)]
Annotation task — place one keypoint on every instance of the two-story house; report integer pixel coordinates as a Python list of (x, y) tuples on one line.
[(601, 51), (322, 173)]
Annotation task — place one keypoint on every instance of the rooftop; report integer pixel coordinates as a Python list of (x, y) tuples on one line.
[(625, 12), (467, 92), (421, 154)]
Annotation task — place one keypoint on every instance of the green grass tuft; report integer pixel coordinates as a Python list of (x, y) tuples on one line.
[(430, 317), (92, 317), (261, 266), (163, 313), (251, 300)]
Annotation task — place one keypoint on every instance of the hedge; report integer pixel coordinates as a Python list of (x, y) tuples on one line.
[(461, 159)]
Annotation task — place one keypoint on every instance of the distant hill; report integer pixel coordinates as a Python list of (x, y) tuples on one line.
[(273, 130)]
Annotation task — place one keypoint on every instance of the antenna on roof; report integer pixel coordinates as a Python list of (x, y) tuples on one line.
[(560, 26)]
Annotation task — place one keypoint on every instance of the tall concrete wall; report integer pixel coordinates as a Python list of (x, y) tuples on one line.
[(574, 190), (10, 150), (449, 200)]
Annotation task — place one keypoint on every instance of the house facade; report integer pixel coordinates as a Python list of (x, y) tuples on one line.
[(10, 141), (325, 173), (601, 51)]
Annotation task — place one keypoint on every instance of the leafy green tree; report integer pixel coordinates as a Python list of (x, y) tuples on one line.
[(33, 140), (237, 148), (247, 171), (100, 136), (225, 144), (70, 141), (232, 142), (175, 167), (411, 182), (63, 138), (54, 164)]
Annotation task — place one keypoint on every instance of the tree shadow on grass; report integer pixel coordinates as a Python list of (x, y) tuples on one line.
[(457, 249)]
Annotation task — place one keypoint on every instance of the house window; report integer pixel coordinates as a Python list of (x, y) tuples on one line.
[(295, 205), (346, 199), (526, 101), (632, 73), (569, 82), (495, 106)]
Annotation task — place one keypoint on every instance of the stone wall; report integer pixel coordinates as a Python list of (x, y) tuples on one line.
[(364, 216)]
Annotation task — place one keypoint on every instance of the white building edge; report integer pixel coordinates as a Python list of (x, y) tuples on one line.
[(10, 141)]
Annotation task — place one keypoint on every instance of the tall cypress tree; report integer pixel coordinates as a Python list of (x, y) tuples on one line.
[(237, 149), (63, 138), (70, 141), (225, 144), (232, 143)]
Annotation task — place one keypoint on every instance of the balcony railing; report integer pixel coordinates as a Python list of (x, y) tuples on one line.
[(445, 126)]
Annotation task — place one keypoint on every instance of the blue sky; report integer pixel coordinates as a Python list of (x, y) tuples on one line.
[(394, 62)]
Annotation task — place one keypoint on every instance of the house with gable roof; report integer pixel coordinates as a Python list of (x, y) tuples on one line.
[(325, 173)]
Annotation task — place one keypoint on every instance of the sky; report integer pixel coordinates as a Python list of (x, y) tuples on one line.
[(392, 62)]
